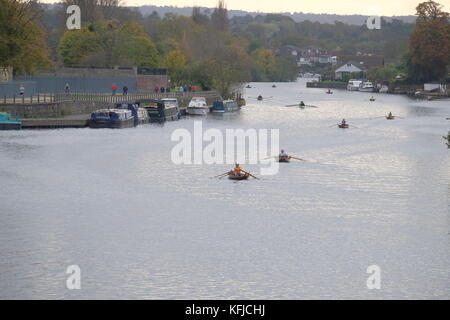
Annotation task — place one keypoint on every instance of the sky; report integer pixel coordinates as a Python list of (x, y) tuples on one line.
[(365, 7)]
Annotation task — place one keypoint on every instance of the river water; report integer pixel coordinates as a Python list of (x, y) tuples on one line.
[(139, 226)]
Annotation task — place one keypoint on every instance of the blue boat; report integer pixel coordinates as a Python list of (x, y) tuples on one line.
[(9, 122), (112, 118), (225, 106), (140, 114)]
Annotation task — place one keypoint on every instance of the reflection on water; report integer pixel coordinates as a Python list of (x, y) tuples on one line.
[(112, 202)]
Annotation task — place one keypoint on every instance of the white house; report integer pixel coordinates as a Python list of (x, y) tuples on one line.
[(347, 68)]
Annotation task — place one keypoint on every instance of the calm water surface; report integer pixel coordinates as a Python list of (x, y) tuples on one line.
[(112, 202)]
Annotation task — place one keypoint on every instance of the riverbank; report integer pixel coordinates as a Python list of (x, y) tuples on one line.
[(75, 104)]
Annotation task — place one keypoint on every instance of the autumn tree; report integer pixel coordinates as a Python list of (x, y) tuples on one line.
[(429, 47), (108, 43), (22, 41), (219, 17)]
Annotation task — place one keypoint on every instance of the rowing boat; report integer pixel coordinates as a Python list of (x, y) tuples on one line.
[(242, 176), (284, 159), (390, 117), (343, 126)]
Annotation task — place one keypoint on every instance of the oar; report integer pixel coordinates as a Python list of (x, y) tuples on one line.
[(223, 174), (270, 157), (297, 158), (293, 105), (311, 106), (334, 125), (350, 125), (226, 174), (249, 174)]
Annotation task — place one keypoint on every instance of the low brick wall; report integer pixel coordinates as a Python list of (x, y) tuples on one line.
[(53, 110)]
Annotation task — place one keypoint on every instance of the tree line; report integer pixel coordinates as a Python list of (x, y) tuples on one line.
[(211, 50)]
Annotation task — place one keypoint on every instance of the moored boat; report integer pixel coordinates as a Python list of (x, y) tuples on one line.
[(160, 111), (112, 118), (225, 106), (9, 122), (353, 85), (367, 86), (140, 114), (197, 106)]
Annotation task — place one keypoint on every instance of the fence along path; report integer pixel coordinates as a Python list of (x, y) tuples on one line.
[(102, 97)]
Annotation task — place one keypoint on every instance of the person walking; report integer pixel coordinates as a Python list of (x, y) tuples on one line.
[(114, 89), (21, 90), (125, 90), (67, 88)]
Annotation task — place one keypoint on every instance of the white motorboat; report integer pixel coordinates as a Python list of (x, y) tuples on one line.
[(354, 85), (367, 86), (197, 106)]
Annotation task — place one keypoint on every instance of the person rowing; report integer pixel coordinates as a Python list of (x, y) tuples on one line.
[(237, 170), (283, 156), (260, 97), (343, 122)]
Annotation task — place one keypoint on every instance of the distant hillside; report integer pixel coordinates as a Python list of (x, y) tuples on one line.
[(298, 16)]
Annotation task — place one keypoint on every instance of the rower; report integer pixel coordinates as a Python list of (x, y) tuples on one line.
[(329, 91), (260, 97), (390, 115), (343, 122), (283, 154), (237, 169), (302, 104)]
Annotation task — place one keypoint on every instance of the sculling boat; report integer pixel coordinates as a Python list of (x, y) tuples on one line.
[(242, 176), (390, 117), (343, 126), (284, 159)]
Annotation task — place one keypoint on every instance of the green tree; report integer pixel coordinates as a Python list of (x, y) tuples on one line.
[(109, 43), (175, 62), (22, 41)]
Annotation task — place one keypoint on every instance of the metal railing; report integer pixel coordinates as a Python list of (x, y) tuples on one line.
[(28, 99), (105, 97), (101, 97)]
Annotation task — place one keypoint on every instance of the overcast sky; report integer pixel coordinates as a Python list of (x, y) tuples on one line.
[(365, 7)]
